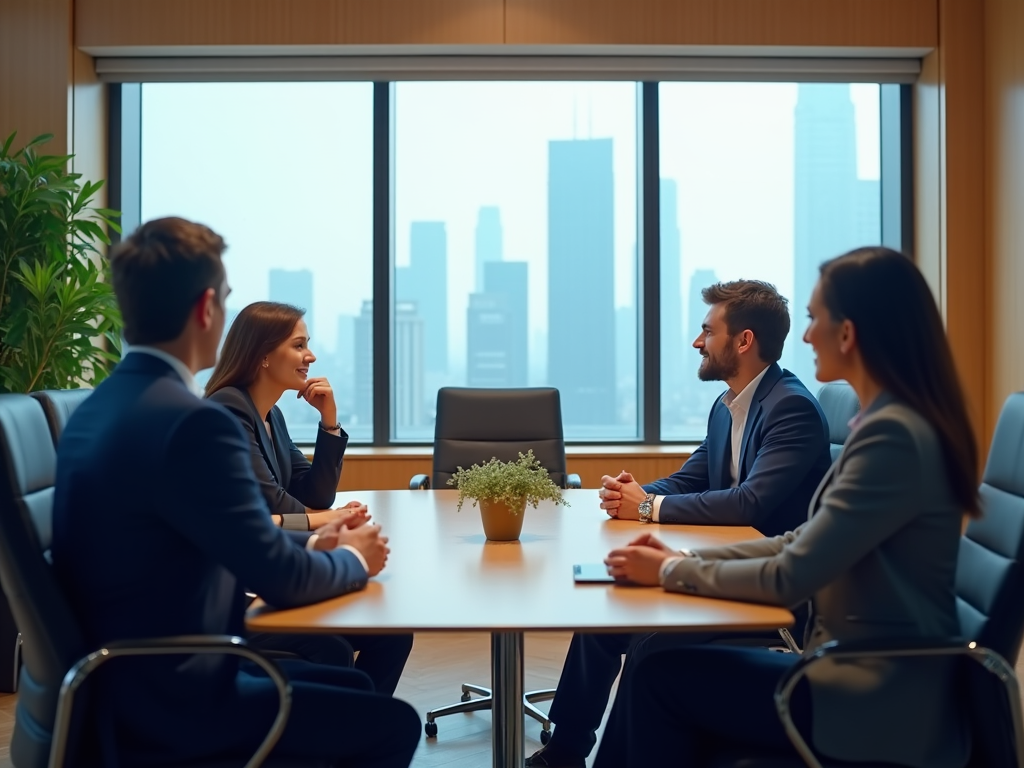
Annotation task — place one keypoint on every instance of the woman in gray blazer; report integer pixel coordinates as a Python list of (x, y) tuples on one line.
[(266, 353), (876, 558)]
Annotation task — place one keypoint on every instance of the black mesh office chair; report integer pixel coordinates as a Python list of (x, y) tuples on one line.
[(472, 426), (56, 658), (989, 585), (840, 404), (58, 405)]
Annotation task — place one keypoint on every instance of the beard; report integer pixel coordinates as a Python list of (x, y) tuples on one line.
[(719, 367)]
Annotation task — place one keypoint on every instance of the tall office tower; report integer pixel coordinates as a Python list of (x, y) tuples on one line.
[(343, 365), (698, 395), (834, 211), (488, 241), (409, 348), (673, 355), (363, 396), (425, 283), (496, 328), (295, 287), (581, 275)]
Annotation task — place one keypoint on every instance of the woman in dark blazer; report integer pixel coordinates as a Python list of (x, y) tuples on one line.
[(266, 353), (877, 558)]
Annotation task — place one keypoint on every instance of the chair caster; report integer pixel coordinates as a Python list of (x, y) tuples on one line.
[(430, 729), (545, 737), (465, 696)]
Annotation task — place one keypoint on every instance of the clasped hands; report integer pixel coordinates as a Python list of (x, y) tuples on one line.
[(640, 561), (350, 527)]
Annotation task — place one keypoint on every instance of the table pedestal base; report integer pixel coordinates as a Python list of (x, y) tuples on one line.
[(507, 707)]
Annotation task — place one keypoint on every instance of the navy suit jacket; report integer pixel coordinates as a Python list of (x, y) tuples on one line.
[(785, 454), (157, 520), (289, 481)]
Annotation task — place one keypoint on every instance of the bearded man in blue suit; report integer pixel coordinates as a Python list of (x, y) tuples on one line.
[(765, 453)]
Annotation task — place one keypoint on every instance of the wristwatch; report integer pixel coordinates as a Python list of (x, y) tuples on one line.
[(646, 508), (329, 427)]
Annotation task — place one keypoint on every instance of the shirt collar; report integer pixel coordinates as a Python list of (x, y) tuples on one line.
[(743, 399), (179, 367)]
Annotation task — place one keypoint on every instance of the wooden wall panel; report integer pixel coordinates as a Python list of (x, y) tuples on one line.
[(287, 22), (901, 23), (1005, 164), (370, 469), (35, 70)]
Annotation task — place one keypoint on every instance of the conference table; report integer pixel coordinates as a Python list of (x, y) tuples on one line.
[(443, 575)]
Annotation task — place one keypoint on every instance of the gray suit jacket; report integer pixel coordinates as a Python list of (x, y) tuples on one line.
[(877, 558)]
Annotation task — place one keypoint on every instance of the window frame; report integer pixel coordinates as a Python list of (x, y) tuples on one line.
[(897, 205)]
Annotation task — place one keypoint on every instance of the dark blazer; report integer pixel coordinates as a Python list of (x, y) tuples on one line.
[(289, 481), (878, 558), (157, 519), (785, 453)]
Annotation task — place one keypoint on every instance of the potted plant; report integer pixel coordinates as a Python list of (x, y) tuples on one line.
[(59, 321), (503, 489)]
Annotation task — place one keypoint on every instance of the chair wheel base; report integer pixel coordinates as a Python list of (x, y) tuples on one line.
[(545, 737), (430, 729)]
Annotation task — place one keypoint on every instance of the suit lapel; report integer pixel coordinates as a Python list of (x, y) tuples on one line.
[(767, 383), (720, 448), (282, 447), (267, 446)]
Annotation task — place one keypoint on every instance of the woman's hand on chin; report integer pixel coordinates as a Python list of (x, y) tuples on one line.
[(319, 394)]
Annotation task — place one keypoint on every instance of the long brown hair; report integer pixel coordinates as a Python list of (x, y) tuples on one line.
[(258, 330), (903, 344)]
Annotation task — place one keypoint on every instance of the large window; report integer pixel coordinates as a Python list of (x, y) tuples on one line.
[(515, 241), (504, 234), (283, 171), (758, 181)]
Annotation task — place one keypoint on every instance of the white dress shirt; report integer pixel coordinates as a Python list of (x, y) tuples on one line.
[(739, 407)]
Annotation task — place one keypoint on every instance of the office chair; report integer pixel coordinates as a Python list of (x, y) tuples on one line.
[(57, 660), (989, 583), (58, 405), (472, 426), (840, 404)]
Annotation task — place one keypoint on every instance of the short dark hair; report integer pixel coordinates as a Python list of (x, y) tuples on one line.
[(258, 330), (757, 306), (903, 344), (158, 274)]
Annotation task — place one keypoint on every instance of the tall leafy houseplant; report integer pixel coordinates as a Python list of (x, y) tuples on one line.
[(59, 321)]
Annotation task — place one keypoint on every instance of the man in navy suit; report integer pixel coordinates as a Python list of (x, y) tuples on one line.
[(765, 453), (160, 526)]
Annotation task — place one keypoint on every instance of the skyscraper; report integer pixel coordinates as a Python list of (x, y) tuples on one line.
[(363, 396), (488, 241), (409, 346), (581, 308), (698, 395), (425, 283), (497, 328), (673, 354), (834, 210)]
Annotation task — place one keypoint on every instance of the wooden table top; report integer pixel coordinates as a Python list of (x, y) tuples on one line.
[(443, 575)]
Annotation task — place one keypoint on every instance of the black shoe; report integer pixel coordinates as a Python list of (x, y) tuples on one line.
[(546, 757)]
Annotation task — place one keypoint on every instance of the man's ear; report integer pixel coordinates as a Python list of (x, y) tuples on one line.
[(745, 341), (205, 309)]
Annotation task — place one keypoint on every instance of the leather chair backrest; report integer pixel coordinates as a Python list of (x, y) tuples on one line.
[(474, 425), (58, 405), (52, 639), (989, 577), (839, 403)]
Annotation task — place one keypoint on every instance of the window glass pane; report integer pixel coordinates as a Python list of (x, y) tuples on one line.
[(515, 248), (759, 181), (283, 171)]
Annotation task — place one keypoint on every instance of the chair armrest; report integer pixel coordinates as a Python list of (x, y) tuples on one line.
[(169, 646), (419, 483), (991, 661), (573, 481)]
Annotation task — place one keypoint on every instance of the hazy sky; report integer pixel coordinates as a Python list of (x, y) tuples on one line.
[(283, 171)]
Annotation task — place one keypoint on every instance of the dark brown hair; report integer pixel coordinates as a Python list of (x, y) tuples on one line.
[(903, 344), (258, 330), (158, 274), (755, 306)]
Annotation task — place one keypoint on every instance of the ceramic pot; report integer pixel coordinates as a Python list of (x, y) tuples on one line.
[(502, 522)]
